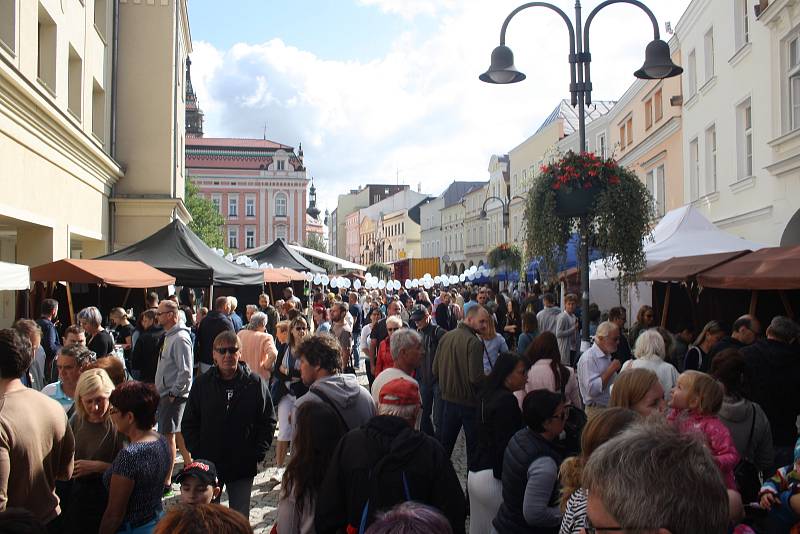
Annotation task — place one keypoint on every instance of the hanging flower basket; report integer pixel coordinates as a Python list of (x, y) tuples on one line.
[(505, 256), (611, 199)]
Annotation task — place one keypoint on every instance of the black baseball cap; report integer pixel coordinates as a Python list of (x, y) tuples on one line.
[(203, 470)]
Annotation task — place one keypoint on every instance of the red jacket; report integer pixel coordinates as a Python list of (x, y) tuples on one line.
[(384, 358)]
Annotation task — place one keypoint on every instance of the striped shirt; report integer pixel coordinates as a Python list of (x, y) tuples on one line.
[(575, 514)]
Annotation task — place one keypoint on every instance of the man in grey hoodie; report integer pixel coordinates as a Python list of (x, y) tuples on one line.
[(173, 376), (548, 317), (320, 367)]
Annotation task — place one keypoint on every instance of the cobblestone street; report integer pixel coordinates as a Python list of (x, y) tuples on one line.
[(266, 486)]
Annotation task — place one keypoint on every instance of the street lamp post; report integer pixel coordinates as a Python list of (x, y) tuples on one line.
[(657, 65), (506, 204), (377, 247)]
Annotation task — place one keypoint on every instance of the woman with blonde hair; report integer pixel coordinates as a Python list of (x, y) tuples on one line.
[(602, 427), (97, 443), (289, 386), (650, 351), (493, 345), (638, 390), (697, 356)]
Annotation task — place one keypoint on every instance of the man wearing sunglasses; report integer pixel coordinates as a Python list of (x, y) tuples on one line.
[(229, 420)]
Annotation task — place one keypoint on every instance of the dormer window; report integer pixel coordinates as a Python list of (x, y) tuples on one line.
[(280, 165)]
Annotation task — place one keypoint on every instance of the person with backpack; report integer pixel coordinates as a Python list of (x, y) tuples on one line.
[(320, 370), (387, 462)]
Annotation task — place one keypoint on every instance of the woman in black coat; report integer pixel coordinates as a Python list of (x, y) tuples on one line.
[(499, 418)]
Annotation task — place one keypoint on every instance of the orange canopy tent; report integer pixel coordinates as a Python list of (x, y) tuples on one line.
[(282, 275), (127, 274)]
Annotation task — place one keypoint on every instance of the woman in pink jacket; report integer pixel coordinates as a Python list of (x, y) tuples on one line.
[(547, 371), (258, 347)]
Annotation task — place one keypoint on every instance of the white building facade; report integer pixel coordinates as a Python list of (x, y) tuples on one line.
[(741, 115)]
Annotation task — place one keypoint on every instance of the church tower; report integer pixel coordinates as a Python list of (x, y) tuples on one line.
[(194, 116)]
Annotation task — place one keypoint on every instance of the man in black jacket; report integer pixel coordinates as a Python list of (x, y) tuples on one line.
[(773, 369), (431, 399), (229, 420), (216, 322), (386, 462), (744, 332), (144, 359)]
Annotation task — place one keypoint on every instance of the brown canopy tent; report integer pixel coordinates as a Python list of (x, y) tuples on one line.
[(681, 273), (765, 272), (120, 274), (127, 274)]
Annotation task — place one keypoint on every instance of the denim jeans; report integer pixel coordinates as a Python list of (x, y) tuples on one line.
[(356, 352), (454, 417)]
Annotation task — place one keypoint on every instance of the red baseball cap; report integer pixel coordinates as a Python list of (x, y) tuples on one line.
[(399, 392)]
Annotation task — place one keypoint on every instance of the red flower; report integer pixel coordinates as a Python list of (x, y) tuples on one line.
[(614, 180), (587, 185), (556, 185)]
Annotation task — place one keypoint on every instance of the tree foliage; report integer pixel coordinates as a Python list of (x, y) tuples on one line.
[(315, 241), (206, 220), (380, 270)]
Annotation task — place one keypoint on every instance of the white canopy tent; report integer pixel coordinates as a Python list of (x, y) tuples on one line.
[(342, 264), (681, 232), (14, 277)]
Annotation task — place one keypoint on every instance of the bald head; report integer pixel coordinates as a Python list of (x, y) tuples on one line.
[(478, 319)]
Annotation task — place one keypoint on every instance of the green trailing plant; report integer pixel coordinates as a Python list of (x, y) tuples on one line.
[(506, 257), (380, 270), (618, 215)]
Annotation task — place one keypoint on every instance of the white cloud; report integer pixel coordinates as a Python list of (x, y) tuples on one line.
[(420, 110)]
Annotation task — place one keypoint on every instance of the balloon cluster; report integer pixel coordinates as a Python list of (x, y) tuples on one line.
[(242, 260), (426, 282)]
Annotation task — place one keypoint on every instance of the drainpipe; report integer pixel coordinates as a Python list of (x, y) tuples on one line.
[(112, 209)]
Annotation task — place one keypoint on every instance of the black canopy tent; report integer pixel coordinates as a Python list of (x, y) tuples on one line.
[(176, 250), (279, 255)]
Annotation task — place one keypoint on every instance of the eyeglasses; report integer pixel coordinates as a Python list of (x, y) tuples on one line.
[(227, 350), (591, 529), (300, 329)]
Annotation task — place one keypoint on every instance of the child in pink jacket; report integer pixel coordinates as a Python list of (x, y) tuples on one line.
[(696, 399)]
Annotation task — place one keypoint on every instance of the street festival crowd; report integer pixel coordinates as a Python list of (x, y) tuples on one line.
[(647, 431)]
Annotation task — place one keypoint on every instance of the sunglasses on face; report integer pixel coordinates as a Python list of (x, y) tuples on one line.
[(392, 329), (300, 329), (227, 350)]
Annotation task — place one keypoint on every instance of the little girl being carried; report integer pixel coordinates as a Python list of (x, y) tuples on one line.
[(696, 399)]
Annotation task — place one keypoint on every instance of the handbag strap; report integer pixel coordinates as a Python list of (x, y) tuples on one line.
[(752, 426), (330, 403)]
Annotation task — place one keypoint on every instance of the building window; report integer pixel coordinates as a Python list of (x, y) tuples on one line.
[(744, 123), (101, 17), (629, 132), (217, 201), (648, 114), (741, 23), (280, 205), (694, 170), (249, 238), (233, 206), (708, 43), (47, 45), (601, 145), (655, 184), (793, 76), (711, 159), (250, 206), (658, 105), (691, 75), (8, 25), (622, 137), (280, 165), (74, 85), (280, 232), (98, 110), (233, 237)]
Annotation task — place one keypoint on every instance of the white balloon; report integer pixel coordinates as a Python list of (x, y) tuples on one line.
[(368, 275), (357, 284), (407, 283), (437, 279), (229, 257), (462, 277), (325, 280), (381, 284), (397, 285), (334, 283), (470, 277), (445, 282), (428, 284), (309, 277), (415, 282), (474, 268), (317, 279), (426, 276)]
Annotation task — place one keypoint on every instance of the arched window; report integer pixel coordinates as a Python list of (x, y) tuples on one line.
[(280, 204)]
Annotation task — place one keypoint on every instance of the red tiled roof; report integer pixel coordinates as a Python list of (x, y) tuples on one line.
[(233, 142)]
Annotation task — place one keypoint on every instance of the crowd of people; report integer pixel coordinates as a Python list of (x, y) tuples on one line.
[(647, 430)]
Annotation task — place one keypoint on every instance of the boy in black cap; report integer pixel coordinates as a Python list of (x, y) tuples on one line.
[(199, 483)]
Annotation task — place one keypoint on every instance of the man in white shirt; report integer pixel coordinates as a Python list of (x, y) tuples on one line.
[(406, 347), (597, 369)]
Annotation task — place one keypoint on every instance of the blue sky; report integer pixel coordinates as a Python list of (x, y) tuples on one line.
[(381, 89), (331, 29)]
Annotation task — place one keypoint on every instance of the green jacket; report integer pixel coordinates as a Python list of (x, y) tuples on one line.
[(458, 365)]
